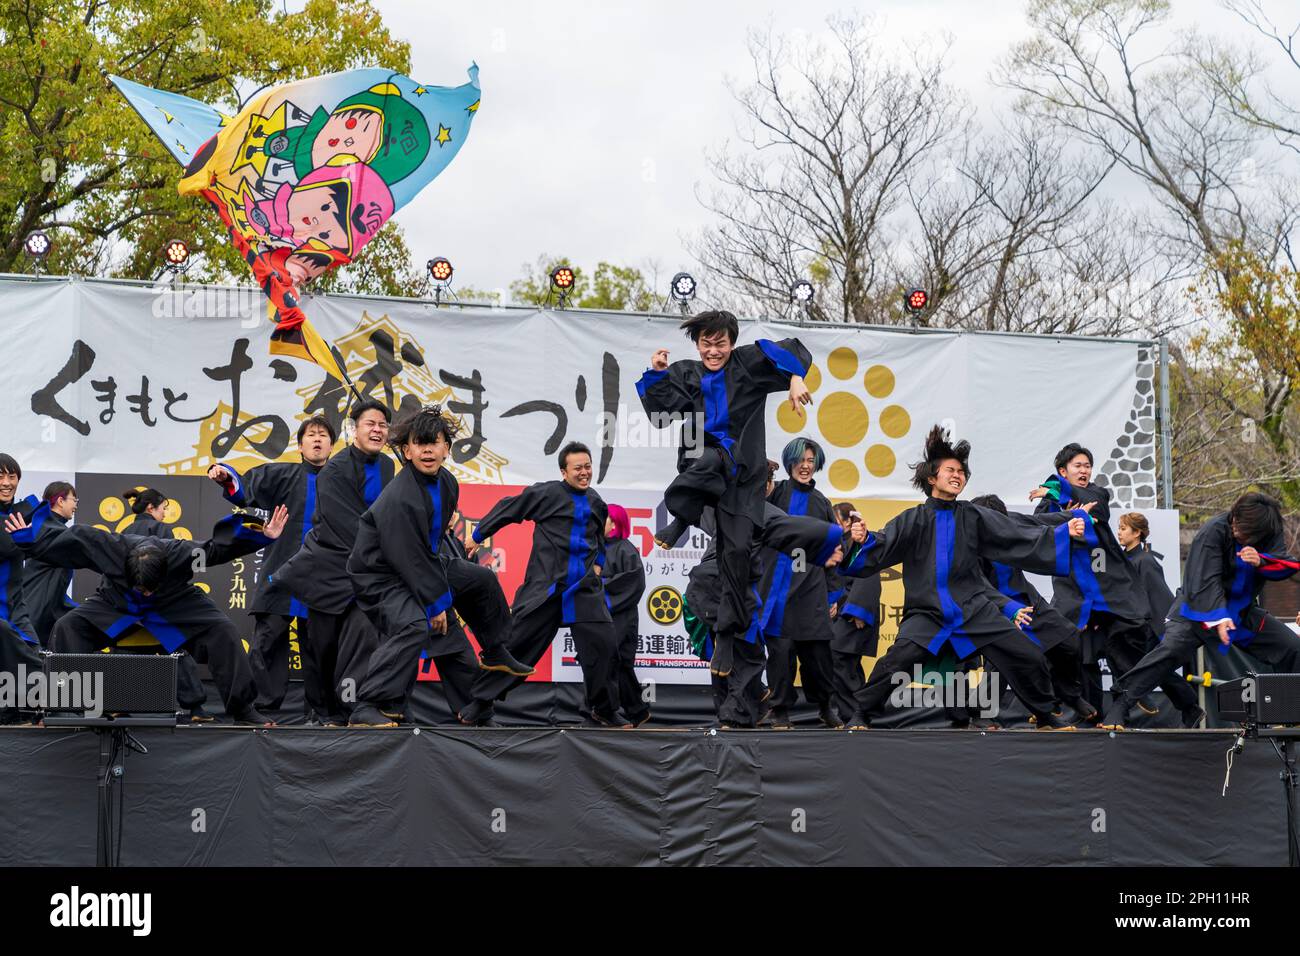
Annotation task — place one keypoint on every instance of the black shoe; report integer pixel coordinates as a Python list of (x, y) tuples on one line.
[(1084, 712), (477, 713), (367, 715), (500, 659), (252, 717), (1053, 722), (639, 719), (720, 663), (607, 721), (779, 718), (670, 534), (1192, 717), (1116, 716), (200, 716), (858, 721), (984, 723), (827, 715)]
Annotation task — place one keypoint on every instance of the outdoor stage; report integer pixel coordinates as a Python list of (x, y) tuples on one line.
[(444, 796)]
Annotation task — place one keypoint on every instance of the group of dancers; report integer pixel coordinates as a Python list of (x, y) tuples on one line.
[(363, 555)]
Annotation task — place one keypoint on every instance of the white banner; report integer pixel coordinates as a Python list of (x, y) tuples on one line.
[(118, 377)]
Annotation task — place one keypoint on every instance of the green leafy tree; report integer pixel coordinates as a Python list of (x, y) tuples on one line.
[(83, 167)]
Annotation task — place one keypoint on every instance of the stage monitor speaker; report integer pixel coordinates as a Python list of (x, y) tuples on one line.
[(132, 684), (1270, 699)]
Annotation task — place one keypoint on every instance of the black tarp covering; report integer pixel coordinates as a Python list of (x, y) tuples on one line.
[(295, 796)]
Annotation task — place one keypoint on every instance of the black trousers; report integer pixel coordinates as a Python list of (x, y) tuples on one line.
[(1273, 643), (268, 656), (335, 658), (847, 680), (404, 631), (190, 692), (704, 482), (218, 645), (738, 697), (457, 665), (813, 659), (630, 690), (1125, 647), (531, 634), (1019, 661), (1065, 662)]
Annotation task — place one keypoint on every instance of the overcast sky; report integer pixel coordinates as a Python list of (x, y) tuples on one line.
[(596, 115)]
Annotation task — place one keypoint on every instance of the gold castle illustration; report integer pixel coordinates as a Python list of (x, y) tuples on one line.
[(358, 355)]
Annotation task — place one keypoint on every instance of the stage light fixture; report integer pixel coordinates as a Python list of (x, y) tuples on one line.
[(683, 287), (802, 292), (562, 278), (37, 245), (916, 300), (176, 255), (440, 270)]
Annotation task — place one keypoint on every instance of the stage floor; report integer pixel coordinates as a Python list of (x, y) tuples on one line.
[(222, 796)]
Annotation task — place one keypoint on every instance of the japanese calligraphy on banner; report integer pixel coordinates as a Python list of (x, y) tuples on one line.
[(118, 384), (120, 377)]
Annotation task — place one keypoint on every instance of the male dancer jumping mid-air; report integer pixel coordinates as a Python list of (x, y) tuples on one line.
[(723, 462)]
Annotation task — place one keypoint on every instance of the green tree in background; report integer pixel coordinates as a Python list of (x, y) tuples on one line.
[(83, 167)]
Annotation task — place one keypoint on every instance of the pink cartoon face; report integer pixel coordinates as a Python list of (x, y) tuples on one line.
[(355, 132), (318, 213)]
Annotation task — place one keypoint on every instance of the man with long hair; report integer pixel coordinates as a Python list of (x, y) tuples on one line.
[(947, 599)]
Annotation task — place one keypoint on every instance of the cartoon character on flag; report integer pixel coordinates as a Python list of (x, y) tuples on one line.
[(308, 172)]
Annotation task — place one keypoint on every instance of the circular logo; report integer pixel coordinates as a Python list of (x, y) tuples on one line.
[(665, 604)]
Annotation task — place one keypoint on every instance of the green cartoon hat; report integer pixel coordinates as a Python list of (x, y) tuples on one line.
[(405, 139)]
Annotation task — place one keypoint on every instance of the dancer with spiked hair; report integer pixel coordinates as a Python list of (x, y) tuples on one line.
[(947, 599)]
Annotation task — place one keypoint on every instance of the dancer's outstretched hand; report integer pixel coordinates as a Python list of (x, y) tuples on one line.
[(276, 523), (659, 361), (15, 522), (799, 394)]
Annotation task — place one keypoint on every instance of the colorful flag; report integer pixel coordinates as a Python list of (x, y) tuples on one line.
[(308, 172)]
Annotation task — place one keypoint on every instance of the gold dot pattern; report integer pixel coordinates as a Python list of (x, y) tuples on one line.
[(894, 421), (879, 381), (844, 475), (880, 460), (844, 419), (843, 363)]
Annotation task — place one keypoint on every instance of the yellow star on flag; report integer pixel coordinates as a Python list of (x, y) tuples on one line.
[(444, 135)]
